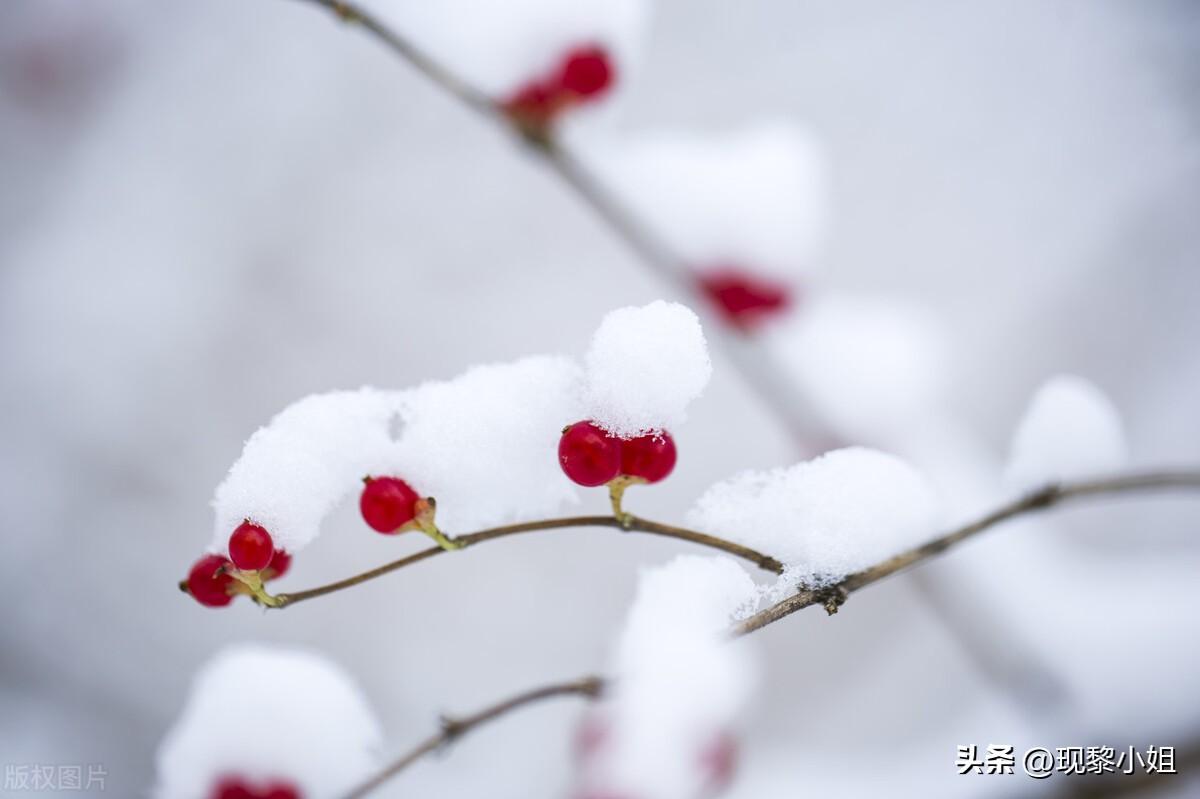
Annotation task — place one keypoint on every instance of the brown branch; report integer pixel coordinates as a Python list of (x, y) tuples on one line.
[(833, 596), (632, 524), (830, 598), (774, 391), (455, 728)]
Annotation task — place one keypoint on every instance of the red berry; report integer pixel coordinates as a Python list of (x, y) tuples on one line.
[(279, 565), (238, 788), (534, 104), (388, 503), (718, 761), (207, 584), (650, 457), (586, 71), (589, 455), (745, 300), (251, 547)]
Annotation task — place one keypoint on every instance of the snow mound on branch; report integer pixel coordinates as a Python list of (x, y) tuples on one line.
[(869, 365), (482, 444), (681, 682), (1070, 430), (825, 518), (643, 367), (499, 47), (269, 714), (295, 470), (755, 198)]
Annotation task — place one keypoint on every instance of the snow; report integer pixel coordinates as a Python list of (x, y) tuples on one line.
[(498, 47), (869, 365), (482, 444), (643, 367), (297, 468), (754, 197), (1070, 430), (268, 713), (681, 681), (825, 518)]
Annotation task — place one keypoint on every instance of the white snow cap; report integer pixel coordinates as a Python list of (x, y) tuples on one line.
[(1070, 430), (499, 47), (482, 444), (825, 518), (643, 368), (681, 681), (868, 364), (264, 714), (754, 198)]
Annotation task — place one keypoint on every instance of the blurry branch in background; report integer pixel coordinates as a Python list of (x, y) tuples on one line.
[(773, 390), (629, 523), (831, 598)]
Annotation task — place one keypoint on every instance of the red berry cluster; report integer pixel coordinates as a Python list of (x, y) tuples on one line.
[(250, 549), (239, 788), (745, 300), (591, 456), (584, 74)]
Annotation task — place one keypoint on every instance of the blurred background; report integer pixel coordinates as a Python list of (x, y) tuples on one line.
[(211, 209)]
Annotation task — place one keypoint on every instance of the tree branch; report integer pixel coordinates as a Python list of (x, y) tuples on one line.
[(833, 596), (632, 524), (455, 728), (830, 598), (773, 390)]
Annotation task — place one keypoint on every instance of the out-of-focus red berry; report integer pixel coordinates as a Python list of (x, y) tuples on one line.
[(207, 584), (588, 454), (239, 788), (650, 457), (279, 565), (388, 503), (251, 547), (718, 761), (745, 300), (587, 71)]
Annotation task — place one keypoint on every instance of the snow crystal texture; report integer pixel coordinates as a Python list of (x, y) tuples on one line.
[(643, 368), (1070, 430), (267, 714), (825, 518), (481, 444)]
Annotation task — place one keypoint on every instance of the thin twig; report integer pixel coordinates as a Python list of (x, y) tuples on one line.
[(831, 597), (774, 391), (455, 728), (632, 524)]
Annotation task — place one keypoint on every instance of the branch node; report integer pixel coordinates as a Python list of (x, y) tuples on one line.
[(1044, 497), (833, 598), (452, 728)]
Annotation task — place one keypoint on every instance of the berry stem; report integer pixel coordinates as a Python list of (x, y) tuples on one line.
[(254, 585), (616, 494)]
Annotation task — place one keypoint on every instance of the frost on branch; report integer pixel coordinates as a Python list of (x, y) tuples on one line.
[(263, 717), (869, 365), (643, 368), (825, 518), (501, 47), (1070, 430), (481, 444), (666, 732)]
